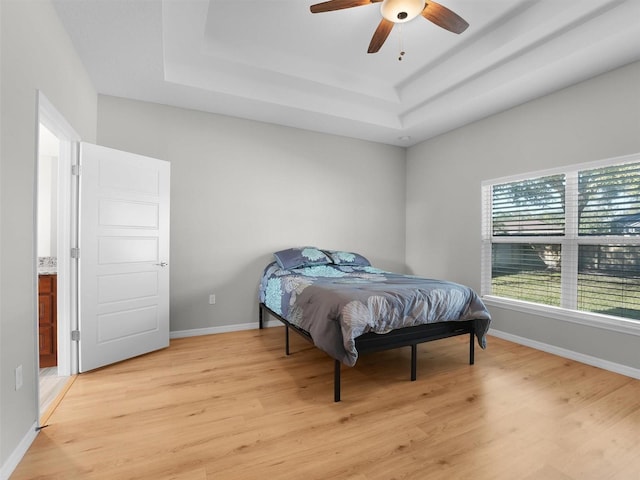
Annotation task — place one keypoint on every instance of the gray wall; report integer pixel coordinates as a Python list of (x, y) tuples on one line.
[(593, 120), (241, 190), (36, 54)]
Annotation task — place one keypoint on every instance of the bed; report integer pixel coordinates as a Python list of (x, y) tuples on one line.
[(345, 307)]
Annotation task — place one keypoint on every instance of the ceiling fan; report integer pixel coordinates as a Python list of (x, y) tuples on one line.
[(399, 11)]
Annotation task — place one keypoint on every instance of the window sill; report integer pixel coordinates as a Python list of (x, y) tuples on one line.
[(606, 322)]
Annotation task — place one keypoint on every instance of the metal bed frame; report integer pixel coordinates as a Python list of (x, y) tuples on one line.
[(371, 342)]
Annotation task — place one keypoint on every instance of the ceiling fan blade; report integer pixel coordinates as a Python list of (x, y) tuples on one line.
[(332, 5), (380, 35), (443, 17)]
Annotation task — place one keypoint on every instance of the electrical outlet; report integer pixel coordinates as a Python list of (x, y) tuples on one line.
[(212, 299), (18, 377)]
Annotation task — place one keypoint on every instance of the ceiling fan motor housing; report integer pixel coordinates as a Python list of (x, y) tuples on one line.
[(401, 11)]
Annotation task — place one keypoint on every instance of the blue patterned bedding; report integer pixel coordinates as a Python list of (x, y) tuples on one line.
[(336, 303)]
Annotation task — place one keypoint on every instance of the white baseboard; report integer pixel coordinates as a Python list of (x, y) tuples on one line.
[(196, 332), (14, 459), (570, 354)]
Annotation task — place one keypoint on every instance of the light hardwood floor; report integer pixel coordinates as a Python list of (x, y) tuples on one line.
[(233, 406)]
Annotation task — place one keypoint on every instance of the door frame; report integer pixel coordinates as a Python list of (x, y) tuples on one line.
[(67, 272)]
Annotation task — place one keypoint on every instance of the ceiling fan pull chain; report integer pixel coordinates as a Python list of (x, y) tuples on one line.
[(400, 43)]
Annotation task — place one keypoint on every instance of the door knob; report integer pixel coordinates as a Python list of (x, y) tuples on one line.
[(162, 264)]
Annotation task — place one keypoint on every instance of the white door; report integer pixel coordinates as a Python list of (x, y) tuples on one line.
[(124, 255)]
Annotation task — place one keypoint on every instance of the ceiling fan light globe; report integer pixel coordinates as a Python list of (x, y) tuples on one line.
[(401, 11)]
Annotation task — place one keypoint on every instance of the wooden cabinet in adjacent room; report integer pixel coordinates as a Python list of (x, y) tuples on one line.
[(47, 321)]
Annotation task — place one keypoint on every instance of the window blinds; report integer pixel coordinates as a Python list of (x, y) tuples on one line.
[(529, 207), (568, 238)]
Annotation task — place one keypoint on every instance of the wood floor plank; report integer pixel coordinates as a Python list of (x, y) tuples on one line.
[(234, 406)]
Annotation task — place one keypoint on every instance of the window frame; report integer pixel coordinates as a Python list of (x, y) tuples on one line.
[(569, 241)]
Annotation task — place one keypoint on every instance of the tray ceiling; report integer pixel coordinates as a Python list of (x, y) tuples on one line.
[(274, 61)]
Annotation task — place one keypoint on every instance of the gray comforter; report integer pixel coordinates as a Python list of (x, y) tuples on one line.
[(336, 304)]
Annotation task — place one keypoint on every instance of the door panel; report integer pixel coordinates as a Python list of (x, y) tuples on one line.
[(126, 323), (128, 286), (125, 249), (124, 255), (128, 214)]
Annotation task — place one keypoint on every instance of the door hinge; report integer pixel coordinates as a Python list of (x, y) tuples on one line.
[(76, 170), (75, 252), (75, 335)]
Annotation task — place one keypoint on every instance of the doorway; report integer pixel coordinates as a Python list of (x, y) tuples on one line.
[(55, 194), (50, 381)]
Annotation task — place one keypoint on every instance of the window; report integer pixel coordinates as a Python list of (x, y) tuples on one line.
[(566, 238)]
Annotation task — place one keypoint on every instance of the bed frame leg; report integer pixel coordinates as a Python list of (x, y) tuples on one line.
[(260, 316), (472, 346), (286, 341), (336, 381), (414, 360)]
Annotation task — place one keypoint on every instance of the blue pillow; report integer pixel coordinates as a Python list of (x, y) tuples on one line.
[(347, 258), (301, 256)]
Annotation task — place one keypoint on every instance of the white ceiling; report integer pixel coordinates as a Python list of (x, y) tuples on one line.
[(274, 61)]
